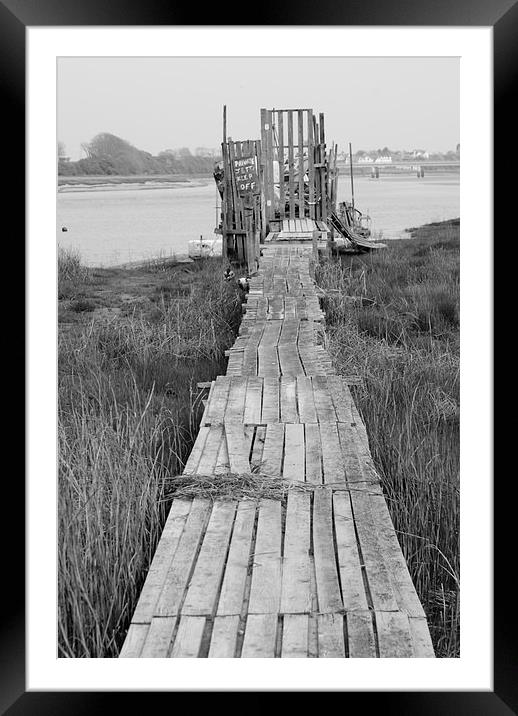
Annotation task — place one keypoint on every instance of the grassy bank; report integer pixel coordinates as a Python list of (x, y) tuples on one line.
[(133, 343), (404, 344)]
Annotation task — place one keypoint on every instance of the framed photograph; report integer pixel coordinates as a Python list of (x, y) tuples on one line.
[(99, 89)]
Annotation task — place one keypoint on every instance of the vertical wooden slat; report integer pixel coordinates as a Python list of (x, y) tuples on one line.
[(282, 199), (301, 162), (318, 198), (265, 164), (323, 168), (311, 168), (270, 202), (290, 163)]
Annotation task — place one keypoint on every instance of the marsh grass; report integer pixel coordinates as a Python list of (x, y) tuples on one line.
[(128, 414), (405, 348)]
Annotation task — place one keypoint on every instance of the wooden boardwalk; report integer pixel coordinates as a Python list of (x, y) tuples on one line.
[(318, 575)]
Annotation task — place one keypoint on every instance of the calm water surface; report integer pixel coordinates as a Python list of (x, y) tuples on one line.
[(111, 225)]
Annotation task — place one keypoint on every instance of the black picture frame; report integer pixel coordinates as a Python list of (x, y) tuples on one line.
[(15, 17)]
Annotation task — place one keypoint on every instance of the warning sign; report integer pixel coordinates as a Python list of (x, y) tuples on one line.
[(245, 170)]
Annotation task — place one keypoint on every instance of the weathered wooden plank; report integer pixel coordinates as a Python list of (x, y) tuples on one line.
[(270, 405), (394, 636), (134, 642), (332, 462), (295, 636), (328, 588), (294, 452), (404, 590), (306, 402), (323, 402), (159, 638), (211, 449), (260, 636), (202, 595), (162, 560), (301, 164), (291, 162), (177, 577), (421, 640), (266, 567), (296, 567), (258, 447), (236, 399), (273, 450), (380, 584), (311, 161), (282, 198), (238, 447), (236, 569), (360, 635), (188, 638), (253, 401), (353, 587), (354, 468), (313, 453), (331, 636), (222, 463), (224, 638), (217, 402), (289, 412), (196, 452)]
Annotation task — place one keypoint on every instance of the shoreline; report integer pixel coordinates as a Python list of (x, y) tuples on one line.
[(93, 181)]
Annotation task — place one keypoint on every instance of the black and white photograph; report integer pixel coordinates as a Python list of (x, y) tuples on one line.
[(258, 357)]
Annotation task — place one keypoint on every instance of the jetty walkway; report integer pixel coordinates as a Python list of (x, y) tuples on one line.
[(316, 573)]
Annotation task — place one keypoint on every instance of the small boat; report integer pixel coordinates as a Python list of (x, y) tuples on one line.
[(205, 248)]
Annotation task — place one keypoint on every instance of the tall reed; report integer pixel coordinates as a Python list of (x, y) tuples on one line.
[(128, 410), (404, 344)]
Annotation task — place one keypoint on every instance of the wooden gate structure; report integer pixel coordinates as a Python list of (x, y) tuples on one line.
[(295, 177)]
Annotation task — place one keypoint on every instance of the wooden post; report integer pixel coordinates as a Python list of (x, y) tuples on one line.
[(351, 164), (224, 123)]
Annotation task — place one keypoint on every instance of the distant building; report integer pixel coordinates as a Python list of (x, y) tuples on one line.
[(383, 159), (365, 159), (420, 154)]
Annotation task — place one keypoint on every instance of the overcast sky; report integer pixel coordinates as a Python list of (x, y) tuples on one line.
[(165, 103)]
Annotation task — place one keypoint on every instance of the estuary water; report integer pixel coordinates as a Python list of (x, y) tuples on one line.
[(115, 224)]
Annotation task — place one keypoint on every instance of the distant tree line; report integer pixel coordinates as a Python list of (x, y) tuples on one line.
[(111, 155)]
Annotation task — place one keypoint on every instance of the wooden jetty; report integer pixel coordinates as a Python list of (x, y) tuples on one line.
[(317, 572)]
